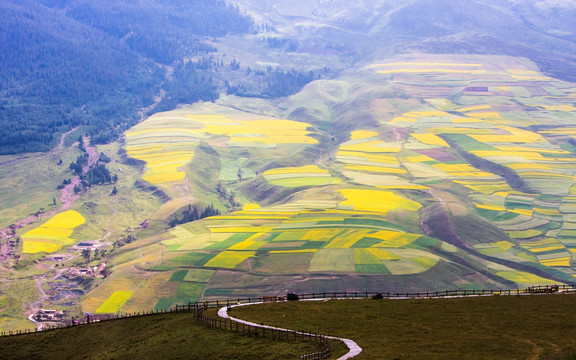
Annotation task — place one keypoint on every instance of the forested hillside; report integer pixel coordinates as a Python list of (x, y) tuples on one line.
[(66, 63)]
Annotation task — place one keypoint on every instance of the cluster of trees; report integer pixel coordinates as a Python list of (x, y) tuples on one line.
[(226, 195), (193, 213), (272, 83), (95, 63), (278, 43), (192, 81), (78, 166), (127, 238), (98, 175)]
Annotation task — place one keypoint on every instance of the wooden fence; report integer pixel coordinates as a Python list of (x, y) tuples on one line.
[(278, 334), (226, 324)]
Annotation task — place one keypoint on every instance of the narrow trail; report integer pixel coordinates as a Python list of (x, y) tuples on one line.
[(35, 306), (62, 138), (67, 196), (354, 349)]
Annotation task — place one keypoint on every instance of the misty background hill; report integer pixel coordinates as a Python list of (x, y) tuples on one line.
[(90, 63), (70, 63)]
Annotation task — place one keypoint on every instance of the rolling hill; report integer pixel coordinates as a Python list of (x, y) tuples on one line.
[(367, 154)]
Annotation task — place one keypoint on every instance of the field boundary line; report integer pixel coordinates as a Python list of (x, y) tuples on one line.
[(217, 304)]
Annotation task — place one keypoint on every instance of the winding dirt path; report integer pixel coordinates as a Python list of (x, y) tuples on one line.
[(353, 347), (67, 196)]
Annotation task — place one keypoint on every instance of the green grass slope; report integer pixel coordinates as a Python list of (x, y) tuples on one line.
[(166, 336)]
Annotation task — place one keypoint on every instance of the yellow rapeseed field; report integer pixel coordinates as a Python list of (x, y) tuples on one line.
[(373, 147), (383, 254), (250, 206), (362, 134), (521, 277), (166, 142), (490, 207), (241, 229), (516, 135), (377, 201), (250, 243), (296, 170), (375, 169), (53, 234), (559, 262), (346, 240), (114, 303), (229, 259), (430, 139)]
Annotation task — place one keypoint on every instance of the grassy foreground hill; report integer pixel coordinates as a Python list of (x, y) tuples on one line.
[(167, 336), (497, 327)]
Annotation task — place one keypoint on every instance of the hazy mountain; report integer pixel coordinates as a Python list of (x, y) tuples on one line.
[(89, 63), (542, 31)]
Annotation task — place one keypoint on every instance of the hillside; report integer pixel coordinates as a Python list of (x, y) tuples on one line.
[(168, 336), (542, 30), (429, 187), (497, 327), (301, 148), (66, 64)]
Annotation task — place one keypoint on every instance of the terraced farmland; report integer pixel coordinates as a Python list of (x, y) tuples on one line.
[(467, 180)]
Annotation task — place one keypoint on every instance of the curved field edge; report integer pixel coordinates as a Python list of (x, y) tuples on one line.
[(497, 327)]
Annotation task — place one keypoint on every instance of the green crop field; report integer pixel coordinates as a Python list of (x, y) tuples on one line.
[(441, 187), (364, 210)]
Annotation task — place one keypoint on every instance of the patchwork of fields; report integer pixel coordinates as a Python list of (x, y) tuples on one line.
[(479, 147), (166, 142)]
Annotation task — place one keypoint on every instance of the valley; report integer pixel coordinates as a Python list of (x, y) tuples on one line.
[(394, 168)]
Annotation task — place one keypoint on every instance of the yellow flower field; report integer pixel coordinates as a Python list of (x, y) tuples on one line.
[(52, 235), (362, 134), (373, 147), (114, 303), (516, 135), (229, 259), (524, 278), (350, 156), (166, 141), (296, 170), (250, 243), (430, 139), (346, 240), (240, 229), (393, 239), (375, 169), (377, 201), (383, 254), (559, 262), (475, 108)]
